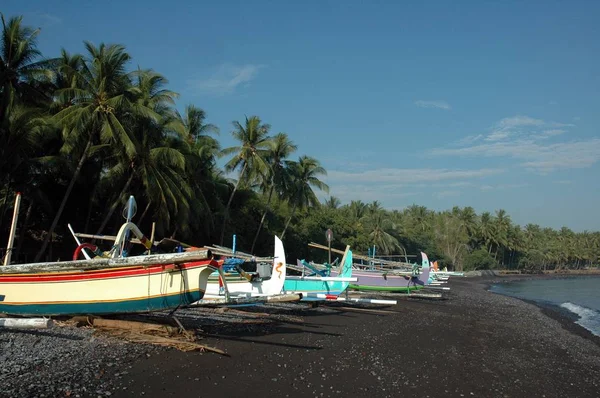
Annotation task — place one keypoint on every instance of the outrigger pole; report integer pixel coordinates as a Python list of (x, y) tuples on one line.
[(13, 229)]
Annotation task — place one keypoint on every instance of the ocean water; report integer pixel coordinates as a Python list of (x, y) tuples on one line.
[(580, 296)]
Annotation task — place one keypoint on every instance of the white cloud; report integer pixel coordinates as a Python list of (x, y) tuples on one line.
[(406, 176), (445, 194), (457, 184), (226, 79), (519, 121), (388, 194), (392, 185), (501, 187), (526, 139), (470, 139), (433, 104), (42, 19), (497, 136), (550, 133)]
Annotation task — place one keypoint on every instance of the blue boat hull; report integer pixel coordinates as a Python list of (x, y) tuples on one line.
[(324, 287)]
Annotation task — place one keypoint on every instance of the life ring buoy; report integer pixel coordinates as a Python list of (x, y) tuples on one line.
[(82, 246)]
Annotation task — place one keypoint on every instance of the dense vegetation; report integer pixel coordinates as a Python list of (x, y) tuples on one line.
[(79, 133)]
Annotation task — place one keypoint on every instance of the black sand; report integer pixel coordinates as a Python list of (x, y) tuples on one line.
[(475, 343)]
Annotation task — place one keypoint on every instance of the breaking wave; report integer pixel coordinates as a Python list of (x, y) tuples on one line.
[(588, 318)]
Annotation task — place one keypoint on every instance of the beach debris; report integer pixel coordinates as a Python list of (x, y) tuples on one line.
[(145, 332), (26, 323)]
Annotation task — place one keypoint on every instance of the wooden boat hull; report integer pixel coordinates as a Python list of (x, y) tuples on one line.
[(240, 286), (134, 289), (298, 284), (385, 282)]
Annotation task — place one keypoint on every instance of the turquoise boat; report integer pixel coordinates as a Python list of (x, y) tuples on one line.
[(321, 284)]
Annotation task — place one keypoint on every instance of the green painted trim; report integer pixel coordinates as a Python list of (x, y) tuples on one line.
[(117, 307)]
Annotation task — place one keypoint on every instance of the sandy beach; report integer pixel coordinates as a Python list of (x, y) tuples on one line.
[(473, 343)]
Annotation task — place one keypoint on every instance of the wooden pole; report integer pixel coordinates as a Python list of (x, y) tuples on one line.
[(13, 229), (85, 265), (359, 256), (152, 234), (87, 256), (26, 323)]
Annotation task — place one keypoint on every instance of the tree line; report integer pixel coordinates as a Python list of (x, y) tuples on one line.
[(79, 133)]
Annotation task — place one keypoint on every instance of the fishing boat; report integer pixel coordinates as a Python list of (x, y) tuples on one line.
[(109, 282), (322, 283), (392, 280), (248, 284), (443, 274), (113, 285)]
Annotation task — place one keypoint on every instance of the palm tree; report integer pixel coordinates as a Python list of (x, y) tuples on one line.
[(502, 225), (201, 164), (380, 224), (281, 148), (332, 202), (249, 156), (357, 209), (468, 219), (100, 99), (23, 85), (149, 137), (193, 122), (22, 78), (304, 175), (420, 217), (487, 230), (374, 207)]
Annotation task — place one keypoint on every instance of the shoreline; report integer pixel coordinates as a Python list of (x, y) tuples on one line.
[(562, 315)]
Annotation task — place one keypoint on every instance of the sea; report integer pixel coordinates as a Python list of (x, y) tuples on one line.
[(578, 295)]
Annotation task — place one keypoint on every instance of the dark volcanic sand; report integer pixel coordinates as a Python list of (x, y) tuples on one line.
[(476, 343)]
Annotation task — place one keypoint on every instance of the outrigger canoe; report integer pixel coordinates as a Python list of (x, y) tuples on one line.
[(250, 284), (392, 280), (135, 284), (328, 284)]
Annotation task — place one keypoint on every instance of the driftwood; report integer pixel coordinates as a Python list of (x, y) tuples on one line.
[(366, 310), (141, 327), (150, 333), (26, 323), (181, 345), (86, 265)]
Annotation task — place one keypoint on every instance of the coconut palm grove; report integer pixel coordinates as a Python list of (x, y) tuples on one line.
[(80, 133)]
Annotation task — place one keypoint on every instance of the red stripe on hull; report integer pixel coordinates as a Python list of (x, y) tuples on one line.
[(103, 274)]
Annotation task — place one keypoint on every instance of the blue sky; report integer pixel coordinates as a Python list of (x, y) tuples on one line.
[(469, 103)]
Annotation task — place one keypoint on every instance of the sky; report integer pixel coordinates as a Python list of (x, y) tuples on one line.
[(489, 104)]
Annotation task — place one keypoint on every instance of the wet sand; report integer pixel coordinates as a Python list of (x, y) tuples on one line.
[(474, 343)]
